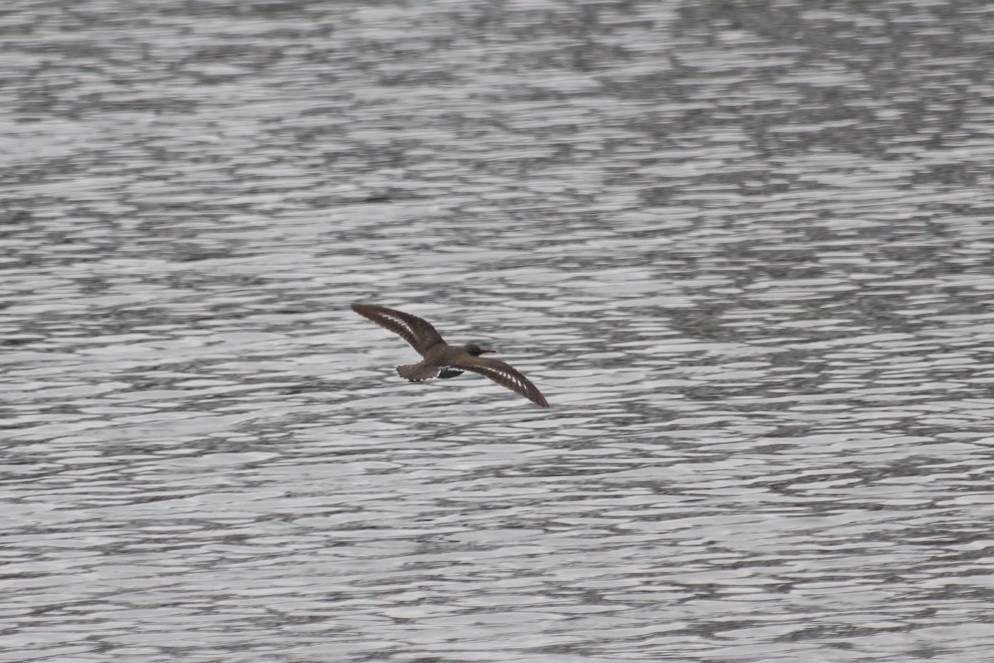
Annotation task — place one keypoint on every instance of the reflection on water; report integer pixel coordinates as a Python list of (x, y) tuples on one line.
[(743, 250)]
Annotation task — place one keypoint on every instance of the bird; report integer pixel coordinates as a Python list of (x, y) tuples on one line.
[(443, 360)]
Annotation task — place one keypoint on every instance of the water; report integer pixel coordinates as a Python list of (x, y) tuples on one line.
[(743, 250)]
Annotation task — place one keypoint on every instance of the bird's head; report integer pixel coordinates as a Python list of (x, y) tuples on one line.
[(476, 350)]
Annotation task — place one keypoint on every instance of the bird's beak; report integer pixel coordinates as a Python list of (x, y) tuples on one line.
[(486, 350)]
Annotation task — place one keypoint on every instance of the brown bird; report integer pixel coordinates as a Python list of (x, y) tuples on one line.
[(444, 360)]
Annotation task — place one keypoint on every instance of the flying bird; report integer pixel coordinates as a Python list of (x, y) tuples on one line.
[(443, 360)]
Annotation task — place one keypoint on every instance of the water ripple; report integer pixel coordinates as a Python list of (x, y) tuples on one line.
[(744, 252)]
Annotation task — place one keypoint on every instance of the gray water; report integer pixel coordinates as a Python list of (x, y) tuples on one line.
[(745, 250)]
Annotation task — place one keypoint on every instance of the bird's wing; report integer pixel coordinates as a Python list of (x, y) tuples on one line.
[(503, 375), (419, 333)]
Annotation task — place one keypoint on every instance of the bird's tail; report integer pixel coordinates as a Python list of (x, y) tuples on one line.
[(417, 372)]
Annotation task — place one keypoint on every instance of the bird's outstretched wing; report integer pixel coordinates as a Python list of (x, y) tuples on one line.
[(419, 333), (503, 375)]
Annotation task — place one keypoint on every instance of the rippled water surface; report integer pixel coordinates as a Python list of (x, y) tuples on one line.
[(743, 248)]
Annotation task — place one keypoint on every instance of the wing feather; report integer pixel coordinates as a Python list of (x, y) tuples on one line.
[(419, 333), (505, 376)]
